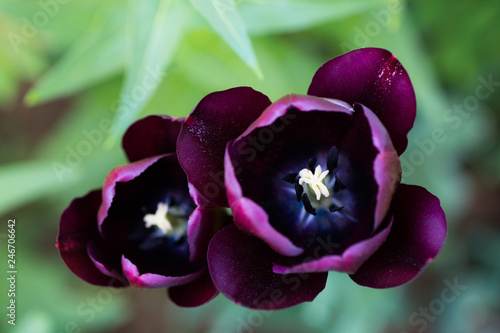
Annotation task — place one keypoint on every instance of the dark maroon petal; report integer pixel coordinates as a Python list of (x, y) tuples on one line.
[(348, 262), (150, 136), (202, 225), (197, 198), (122, 173), (356, 166), (151, 280), (77, 228), (218, 118), (241, 267), (386, 167), (196, 293), (376, 79), (106, 259), (416, 238), (303, 103)]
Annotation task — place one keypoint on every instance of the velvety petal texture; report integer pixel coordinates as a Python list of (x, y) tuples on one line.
[(241, 268), (416, 238), (218, 118), (369, 169), (303, 103), (386, 166), (202, 226), (106, 258), (347, 262), (150, 136), (77, 228), (195, 293), (376, 79), (150, 280)]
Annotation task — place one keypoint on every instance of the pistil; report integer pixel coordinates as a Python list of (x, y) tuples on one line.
[(315, 181), (159, 219), (166, 220)]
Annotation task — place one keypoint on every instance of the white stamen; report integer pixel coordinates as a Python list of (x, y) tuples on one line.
[(159, 219), (315, 181)]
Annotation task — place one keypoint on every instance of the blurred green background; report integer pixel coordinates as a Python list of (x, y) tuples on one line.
[(71, 68)]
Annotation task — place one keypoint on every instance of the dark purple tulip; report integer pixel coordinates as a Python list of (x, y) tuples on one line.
[(147, 227), (313, 183)]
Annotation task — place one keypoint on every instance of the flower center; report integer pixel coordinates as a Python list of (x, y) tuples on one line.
[(319, 184), (169, 220)]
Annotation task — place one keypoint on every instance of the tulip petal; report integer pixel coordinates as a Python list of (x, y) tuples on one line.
[(106, 259), (195, 293), (356, 159), (202, 225), (218, 118), (376, 79), (151, 280), (386, 167), (348, 262), (150, 136), (303, 103), (241, 268), (77, 228), (252, 218), (416, 238), (199, 200)]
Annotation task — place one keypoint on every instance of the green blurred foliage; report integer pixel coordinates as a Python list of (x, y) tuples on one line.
[(74, 74)]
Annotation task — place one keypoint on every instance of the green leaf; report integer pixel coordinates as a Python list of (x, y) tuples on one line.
[(96, 56), (27, 181), (263, 17), (225, 19), (156, 28)]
